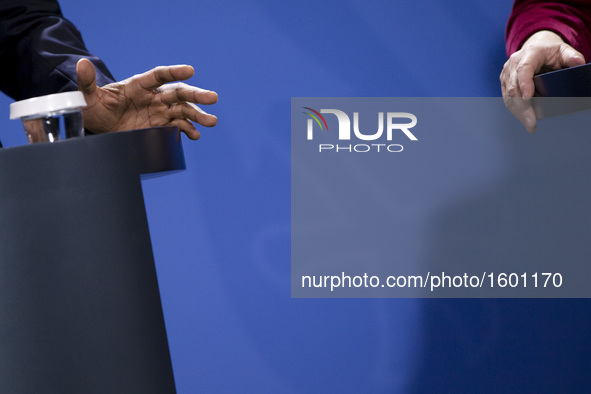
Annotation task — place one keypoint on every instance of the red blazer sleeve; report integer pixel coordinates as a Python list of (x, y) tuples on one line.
[(571, 19)]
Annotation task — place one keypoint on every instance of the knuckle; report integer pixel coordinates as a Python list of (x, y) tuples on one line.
[(522, 67), (511, 90), (504, 73), (515, 58), (160, 73), (506, 66)]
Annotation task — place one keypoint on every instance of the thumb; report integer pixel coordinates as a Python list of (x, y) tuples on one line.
[(570, 57), (86, 76)]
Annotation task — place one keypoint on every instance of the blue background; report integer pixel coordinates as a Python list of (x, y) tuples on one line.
[(220, 230)]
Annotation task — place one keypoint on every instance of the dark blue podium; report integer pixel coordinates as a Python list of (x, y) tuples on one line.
[(80, 308)]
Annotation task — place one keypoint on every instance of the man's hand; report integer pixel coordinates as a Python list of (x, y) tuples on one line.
[(543, 51), (144, 100)]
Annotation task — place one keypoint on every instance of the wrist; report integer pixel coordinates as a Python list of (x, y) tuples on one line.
[(543, 38)]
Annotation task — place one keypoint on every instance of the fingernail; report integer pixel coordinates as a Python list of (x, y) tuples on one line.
[(531, 128), (530, 123)]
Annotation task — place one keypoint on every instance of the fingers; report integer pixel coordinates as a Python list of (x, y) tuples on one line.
[(520, 70), (544, 50), (86, 76), (178, 93), (180, 98), (182, 114), (523, 111), (159, 76), (570, 57), (193, 113), (186, 127), (150, 100), (518, 88), (534, 59)]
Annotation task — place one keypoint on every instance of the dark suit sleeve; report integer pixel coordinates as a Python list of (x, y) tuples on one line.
[(39, 50)]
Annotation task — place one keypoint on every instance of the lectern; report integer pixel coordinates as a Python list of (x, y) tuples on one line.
[(80, 309)]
